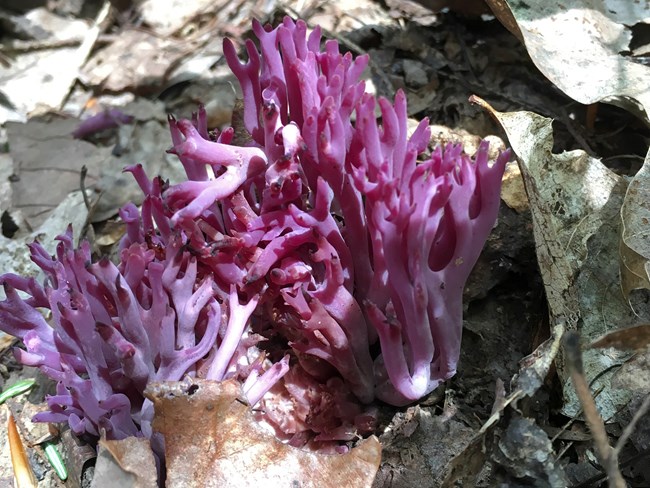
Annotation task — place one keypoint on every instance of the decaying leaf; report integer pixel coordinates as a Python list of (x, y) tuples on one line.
[(469, 464), (111, 233), (578, 44), (583, 48), (167, 18), (47, 163), (79, 459), (635, 234), (33, 433), (633, 374), (526, 451), (575, 203), (129, 462), (412, 451), (516, 451), (513, 192), (212, 440), (534, 369), (466, 465), (6, 171)]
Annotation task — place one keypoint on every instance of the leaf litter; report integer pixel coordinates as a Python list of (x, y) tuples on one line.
[(584, 217)]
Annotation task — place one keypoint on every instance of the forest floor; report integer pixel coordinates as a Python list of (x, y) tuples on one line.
[(507, 417)]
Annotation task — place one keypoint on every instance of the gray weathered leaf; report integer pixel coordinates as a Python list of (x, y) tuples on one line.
[(575, 203), (635, 234)]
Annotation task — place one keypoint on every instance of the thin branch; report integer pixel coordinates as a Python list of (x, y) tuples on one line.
[(607, 456), (629, 429)]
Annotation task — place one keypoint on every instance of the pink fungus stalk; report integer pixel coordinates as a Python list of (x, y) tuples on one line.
[(322, 262)]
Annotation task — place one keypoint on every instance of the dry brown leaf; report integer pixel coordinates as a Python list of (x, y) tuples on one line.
[(470, 8), (501, 11), (6, 341), (464, 467), (442, 135), (628, 339), (418, 445), (212, 440), (521, 447), (110, 233), (33, 433), (46, 167), (14, 253), (411, 10), (129, 462)]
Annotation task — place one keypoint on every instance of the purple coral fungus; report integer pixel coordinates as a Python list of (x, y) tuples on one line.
[(320, 237)]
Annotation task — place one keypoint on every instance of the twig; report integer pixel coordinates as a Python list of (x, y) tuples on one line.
[(627, 432), (82, 186), (575, 132), (591, 482), (561, 114), (86, 47), (18, 47), (568, 446), (607, 456), (459, 38), (575, 417), (89, 207)]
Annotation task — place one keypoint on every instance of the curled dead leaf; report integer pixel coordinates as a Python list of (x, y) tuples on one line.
[(575, 203), (501, 11), (582, 47)]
